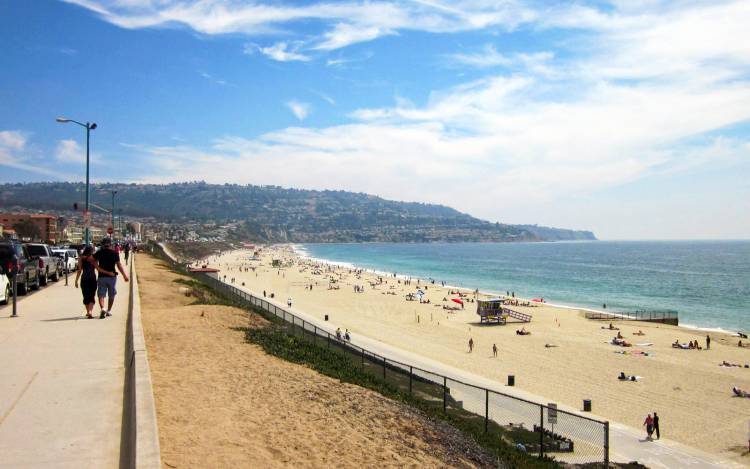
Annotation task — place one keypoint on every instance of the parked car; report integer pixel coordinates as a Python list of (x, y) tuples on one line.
[(27, 266), (72, 259), (5, 288), (50, 266)]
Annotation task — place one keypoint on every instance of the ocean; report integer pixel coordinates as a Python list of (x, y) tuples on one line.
[(706, 282)]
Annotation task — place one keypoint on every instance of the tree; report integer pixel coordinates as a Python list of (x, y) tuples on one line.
[(27, 229)]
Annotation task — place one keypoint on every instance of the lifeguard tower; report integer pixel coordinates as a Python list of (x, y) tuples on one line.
[(493, 311)]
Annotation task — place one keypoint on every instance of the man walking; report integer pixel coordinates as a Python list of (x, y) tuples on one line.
[(127, 252), (656, 425), (708, 342), (108, 259)]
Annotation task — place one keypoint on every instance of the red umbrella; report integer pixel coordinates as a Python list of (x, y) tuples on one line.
[(456, 300)]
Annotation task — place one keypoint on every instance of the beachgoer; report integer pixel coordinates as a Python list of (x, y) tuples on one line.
[(494, 350), (623, 376), (338, 333), (108, 260), (347, 337), (656, 425), (649, 423), (471, 345), (264, 293), (87, 267), (289, 302), (708, 342)]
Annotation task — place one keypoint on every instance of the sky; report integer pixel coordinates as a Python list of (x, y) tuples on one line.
[(630, 118)]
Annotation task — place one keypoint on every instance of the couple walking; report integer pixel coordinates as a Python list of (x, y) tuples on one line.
[(104, 262), (652, 425)]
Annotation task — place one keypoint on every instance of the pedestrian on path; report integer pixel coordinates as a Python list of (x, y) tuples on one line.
[(656, 425), (127, 252), (87, 267), (108, 260), (471, 345), (649, 424)]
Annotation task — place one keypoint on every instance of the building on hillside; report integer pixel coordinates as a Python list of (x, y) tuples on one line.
[(46, 224)]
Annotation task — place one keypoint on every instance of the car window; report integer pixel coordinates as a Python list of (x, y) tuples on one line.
[(36, 250), (6, 253)]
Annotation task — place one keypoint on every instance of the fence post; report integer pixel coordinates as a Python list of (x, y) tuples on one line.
[(445, 393), (383, 367), (486, 410), (410, 375), (363, 358), (329, 339), (541, 431), (315, 337), (606, 444)]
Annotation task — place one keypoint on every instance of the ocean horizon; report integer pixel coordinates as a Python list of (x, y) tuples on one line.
[(706, 281)]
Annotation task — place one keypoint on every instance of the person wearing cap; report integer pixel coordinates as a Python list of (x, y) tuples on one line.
[(108, 259)]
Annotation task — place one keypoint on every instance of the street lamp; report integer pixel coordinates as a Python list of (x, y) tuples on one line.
[(89, 127), (112, 217)]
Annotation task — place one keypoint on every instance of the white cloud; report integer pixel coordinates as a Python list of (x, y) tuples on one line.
[(343, 23), (281, 51), (299, 109), (17, 153), (488, 57), (69, 151), (12, 139), (213, 79)]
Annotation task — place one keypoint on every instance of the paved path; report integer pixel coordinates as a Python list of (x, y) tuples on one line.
[(61, 381), (626, 444)]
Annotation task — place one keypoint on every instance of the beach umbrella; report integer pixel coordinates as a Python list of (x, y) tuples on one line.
[(456, 300)]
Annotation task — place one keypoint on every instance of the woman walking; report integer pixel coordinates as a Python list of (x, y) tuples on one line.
[(87, 267)]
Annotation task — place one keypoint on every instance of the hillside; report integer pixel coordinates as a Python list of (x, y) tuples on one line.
[(275, 214)]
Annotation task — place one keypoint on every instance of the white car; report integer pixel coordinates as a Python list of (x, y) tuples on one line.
[(5, 288), (72, 258)]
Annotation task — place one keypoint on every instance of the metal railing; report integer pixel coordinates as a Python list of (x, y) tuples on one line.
[(670, 317), (529, 426)]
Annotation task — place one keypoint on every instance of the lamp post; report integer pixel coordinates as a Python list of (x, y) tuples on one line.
[(112, 217), (89, 126)]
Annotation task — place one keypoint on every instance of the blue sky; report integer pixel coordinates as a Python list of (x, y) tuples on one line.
[(629, 118)]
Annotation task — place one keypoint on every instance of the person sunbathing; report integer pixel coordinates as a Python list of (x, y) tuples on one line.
[(624, 377), (739, 392), (640, 332), (619, 335), (522, 331)]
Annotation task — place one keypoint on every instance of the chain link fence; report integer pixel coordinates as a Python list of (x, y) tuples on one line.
[(529, 426)]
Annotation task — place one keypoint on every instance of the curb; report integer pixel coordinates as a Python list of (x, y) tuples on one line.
[(140, 438)]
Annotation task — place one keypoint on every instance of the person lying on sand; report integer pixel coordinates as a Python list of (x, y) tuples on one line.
[(737, 365), (621, 342), (523, 331), (550, 345), (624, 377), (677, 344), (739, 392), (640, 332)]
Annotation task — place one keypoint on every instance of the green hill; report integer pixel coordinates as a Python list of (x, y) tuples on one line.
[(275, 214)]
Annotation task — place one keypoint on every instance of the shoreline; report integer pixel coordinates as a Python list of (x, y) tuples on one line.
[(299, 250), (582, 363)]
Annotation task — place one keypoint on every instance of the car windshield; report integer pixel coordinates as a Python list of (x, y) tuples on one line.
[(36, 250), (72, 253)]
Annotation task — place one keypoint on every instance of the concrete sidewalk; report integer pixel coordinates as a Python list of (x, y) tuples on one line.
[(61, 381)]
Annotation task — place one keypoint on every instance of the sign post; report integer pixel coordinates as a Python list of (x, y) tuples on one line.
[(552, 415)]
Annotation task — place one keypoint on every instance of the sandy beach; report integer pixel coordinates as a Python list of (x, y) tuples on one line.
[(222, 402), (688, 388)]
